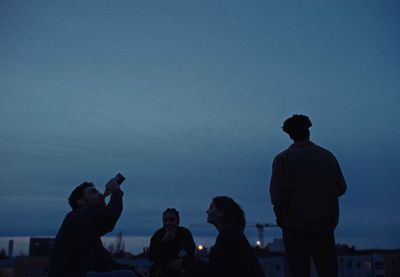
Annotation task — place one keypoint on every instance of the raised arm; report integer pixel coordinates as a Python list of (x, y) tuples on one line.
[(107, 217)]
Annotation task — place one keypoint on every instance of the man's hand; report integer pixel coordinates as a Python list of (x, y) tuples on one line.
[(142, 271), (110, 187)]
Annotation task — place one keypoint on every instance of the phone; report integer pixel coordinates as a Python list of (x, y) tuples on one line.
[(119, 178)]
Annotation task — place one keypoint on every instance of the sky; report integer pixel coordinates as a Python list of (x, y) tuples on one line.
[(187, 99)]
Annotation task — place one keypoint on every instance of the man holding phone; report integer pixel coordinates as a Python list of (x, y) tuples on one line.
[(78, 250)]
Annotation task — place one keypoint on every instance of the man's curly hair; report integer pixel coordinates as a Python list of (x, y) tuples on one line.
[(297, 126)]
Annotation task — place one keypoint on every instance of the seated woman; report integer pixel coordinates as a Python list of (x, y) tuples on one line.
[(232, 254), (170, 247)]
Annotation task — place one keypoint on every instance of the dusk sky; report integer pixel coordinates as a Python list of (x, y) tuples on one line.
[(187, 100)]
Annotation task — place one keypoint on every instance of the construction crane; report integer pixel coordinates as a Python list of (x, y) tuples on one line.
[(260, 230), (258, 225)]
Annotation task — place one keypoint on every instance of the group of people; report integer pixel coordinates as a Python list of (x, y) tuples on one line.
[(305, 185), (172, 247)]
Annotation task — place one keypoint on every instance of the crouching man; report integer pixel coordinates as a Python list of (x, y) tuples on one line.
[(78, 250)]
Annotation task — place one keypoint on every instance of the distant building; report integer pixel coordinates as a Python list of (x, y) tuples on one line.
[(40, 247), (276, 246), (352, 262), (392, 264)]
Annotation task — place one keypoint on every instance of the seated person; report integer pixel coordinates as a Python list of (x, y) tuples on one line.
[(78, 250), (232, 254), (170, 246)]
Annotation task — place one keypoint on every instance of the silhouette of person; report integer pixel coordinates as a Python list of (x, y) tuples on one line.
[(78, 250), (231, 254), (305, 185), (170, 247)]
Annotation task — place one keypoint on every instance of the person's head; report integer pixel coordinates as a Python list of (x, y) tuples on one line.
[(85, 195), (170, 219), (224, 212), (297, 127)]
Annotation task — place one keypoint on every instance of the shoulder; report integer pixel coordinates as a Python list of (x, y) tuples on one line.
[(73, 216), (159, 233), (324, 151), (280, 156), (231, 245), (320, 148), (182, 231)]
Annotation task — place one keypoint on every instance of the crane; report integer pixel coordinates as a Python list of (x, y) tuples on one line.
[(260, 230)]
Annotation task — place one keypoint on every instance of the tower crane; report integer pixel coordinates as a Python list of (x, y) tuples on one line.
[(260, 230)]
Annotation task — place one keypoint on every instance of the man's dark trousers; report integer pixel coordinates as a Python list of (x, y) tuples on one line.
[(301, 246)]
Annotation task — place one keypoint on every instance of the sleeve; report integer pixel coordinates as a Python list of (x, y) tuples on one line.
[(107, 217), (252, 265), (189, 244), (277, 189), (154, 248), (220, 264), (228, 256), (341, 182)]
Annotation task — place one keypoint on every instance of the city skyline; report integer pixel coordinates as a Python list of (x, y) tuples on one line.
[(187, 100)]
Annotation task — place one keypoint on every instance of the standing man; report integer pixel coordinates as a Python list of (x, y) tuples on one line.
[(305, 185), (78, 250)]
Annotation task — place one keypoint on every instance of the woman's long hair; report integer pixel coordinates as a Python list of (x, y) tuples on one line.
[(233, 215)]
